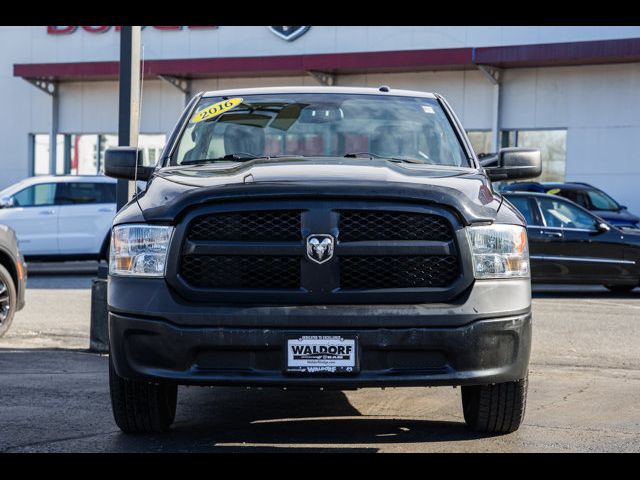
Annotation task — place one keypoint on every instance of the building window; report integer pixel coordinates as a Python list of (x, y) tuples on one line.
[(151, 144), (480, 140), (552, 145), (84, 154), (41, 154)]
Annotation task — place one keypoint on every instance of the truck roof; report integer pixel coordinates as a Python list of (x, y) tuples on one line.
[(345, 90)]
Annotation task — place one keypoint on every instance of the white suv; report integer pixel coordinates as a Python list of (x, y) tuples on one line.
[(61, 216)]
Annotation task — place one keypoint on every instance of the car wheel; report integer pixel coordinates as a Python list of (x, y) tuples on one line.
[(621, 288), (141, 407), (497, 408), (7, 300)]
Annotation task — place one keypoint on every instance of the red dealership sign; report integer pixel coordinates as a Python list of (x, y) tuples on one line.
[(62, 30)]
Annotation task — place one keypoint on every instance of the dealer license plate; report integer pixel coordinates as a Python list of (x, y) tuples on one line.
[(322, 354)]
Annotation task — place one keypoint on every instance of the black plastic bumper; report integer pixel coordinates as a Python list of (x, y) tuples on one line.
[(481, 352), (21, 287)]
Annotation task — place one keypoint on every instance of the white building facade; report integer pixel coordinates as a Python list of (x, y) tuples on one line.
[(573, 92)]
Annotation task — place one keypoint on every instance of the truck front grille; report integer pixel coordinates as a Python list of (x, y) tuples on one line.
[(232, 271), (250, 226), (358, 225), (259, 254), (398, 271)]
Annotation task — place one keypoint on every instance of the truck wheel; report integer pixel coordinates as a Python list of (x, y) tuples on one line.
[(141, 407), (7, 300), (497, 408), (621, 288)]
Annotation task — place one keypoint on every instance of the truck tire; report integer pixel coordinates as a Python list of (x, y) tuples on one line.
[(497, 408), (8, 298), (141, 407)]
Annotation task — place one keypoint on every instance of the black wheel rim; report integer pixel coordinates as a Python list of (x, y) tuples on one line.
[(5, 302)]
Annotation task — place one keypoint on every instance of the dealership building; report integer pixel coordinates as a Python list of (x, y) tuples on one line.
[(573, 92)]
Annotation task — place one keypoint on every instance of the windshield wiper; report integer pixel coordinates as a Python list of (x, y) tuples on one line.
[(375, 155), (231, 157), (238, 157)]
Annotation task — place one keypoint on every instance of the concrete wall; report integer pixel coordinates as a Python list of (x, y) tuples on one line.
[(92, 107), (598, 105), (231, 41), (600, 108)]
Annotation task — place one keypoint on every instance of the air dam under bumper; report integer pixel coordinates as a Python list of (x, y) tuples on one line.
[(481, 352)]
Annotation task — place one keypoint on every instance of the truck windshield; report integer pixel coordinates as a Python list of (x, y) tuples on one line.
[(411, 129)]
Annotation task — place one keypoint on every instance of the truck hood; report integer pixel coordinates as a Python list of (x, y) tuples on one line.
[(466, 190)]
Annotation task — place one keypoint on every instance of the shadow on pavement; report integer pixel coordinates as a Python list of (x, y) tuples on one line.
[(50, 361), (61, 402), (270, 420)]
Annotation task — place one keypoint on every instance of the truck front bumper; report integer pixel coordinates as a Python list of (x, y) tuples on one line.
[(483, 352), (467, 343)]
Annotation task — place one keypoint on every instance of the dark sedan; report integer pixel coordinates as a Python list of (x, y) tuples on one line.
[(588, 196), (568, 244), (13, 276)]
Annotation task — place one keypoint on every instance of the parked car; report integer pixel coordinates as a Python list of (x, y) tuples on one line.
[(569, 244), (13, 277), (588, 196), (61, 217), (319, 237)]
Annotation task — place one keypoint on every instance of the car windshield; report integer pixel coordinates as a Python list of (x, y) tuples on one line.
[(11, 189), (601, 201), (412, 129)]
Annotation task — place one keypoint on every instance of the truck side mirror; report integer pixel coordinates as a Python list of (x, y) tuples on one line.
[(120, 162), (513, 163)]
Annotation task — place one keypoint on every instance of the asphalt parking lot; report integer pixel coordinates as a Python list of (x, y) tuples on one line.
[(583, 394)]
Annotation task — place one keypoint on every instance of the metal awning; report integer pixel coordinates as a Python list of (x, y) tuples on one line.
[(514, 56)]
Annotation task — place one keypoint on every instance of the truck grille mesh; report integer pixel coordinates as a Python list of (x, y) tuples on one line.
[(356, 225), (272, 225), (275, 256), (397, 271), (231, 271)]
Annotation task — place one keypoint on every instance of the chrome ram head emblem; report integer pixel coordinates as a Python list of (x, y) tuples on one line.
[(289, 33), (320, 248)]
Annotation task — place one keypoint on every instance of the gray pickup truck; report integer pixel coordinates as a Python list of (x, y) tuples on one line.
[(322, 237)]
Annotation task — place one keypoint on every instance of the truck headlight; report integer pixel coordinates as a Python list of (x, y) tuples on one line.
[(499, 251), (139, 250)]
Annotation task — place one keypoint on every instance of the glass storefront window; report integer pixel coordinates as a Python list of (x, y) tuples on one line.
[(41, 154), (84, 154), (151, 144), (84, 160), (552, 145), (480, 141)]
